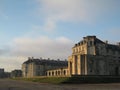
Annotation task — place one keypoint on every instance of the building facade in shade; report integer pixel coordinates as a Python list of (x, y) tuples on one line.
[(4, 74), (39, 67), (91, 56), (1, 72)]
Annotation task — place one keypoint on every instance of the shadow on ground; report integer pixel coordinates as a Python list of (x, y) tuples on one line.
[(91, 79)]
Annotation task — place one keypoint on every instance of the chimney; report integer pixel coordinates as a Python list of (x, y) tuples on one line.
[(29, 58), (32, 58), (118, 43), (40, 58), (65, 59), (106, 41)]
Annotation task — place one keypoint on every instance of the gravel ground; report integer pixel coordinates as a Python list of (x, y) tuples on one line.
[(7, 84)]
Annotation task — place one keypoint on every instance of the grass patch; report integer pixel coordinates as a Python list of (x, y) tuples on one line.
[(52, 80), (74, 79)]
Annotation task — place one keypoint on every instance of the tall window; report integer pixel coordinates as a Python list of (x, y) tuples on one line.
[(52, 73), (58, 72), (90, 43), (49, 73)]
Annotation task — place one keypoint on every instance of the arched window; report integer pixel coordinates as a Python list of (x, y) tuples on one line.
[(52, 73), (49, 73), (58, 72), (90, 43)]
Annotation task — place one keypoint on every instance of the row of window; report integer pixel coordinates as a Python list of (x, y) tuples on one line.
[(81, 48), (78, 49)]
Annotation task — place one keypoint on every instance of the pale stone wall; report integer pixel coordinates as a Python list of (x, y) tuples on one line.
[(28, 70), (24, 70)]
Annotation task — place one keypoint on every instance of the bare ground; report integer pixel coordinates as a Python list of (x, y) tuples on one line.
[(8, 84)]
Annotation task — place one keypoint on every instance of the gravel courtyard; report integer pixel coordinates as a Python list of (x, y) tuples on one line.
[(7, 84)]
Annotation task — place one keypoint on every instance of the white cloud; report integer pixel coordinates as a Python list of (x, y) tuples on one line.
[(74, 10), (43, 47), (3, 51), (11, 63), (88, 11), (49, 26)]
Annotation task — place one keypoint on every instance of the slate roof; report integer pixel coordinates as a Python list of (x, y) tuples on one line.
[(113, 47), (96, 40), (46, 62)]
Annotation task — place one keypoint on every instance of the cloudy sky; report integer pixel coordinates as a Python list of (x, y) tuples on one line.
[(49, 28)]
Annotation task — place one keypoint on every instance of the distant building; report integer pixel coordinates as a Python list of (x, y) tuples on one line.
[(4, 74), (7, 74), (1, 72), (39, 67), (16, 73)]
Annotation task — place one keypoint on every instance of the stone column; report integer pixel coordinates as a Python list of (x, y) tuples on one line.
[(78, 65), (70, 67), (74, 65)]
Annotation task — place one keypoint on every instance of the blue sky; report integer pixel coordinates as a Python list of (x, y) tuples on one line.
[(49, 28)]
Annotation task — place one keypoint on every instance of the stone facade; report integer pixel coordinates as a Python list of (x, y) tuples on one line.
[(91, 56), (39, 67)]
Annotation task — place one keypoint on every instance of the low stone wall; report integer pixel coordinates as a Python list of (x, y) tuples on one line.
[(76, 79)]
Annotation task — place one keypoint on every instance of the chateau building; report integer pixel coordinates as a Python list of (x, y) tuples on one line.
[(39, 67), (90, 56)]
